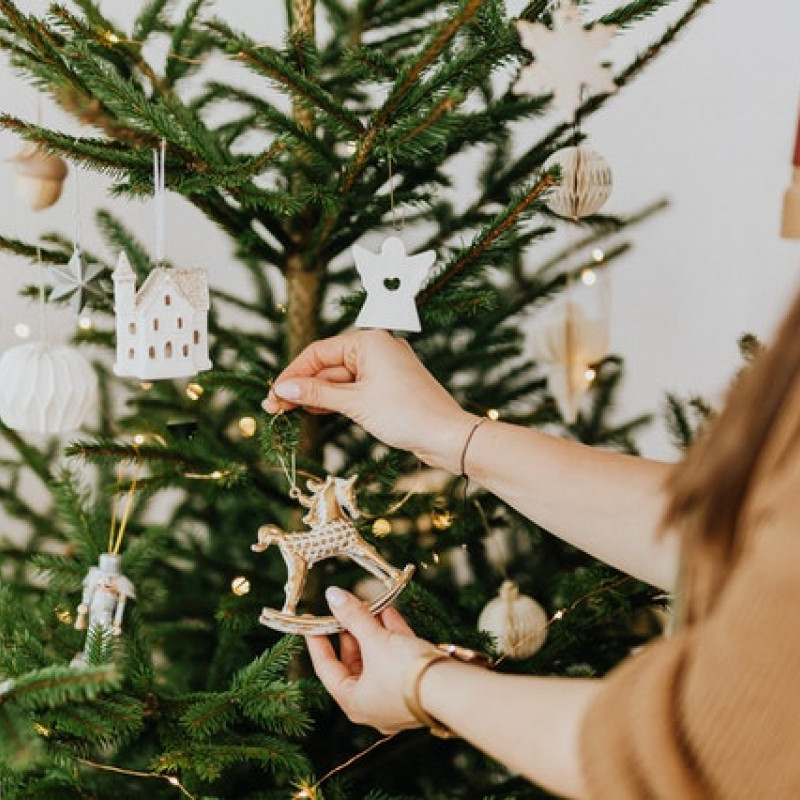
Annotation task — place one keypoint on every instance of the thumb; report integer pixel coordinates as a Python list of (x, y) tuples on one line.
[(353, 614)]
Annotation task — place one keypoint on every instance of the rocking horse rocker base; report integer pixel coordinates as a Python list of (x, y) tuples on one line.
[(310, 625), (331, 510)]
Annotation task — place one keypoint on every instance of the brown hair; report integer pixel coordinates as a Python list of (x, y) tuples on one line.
[(709, 489)]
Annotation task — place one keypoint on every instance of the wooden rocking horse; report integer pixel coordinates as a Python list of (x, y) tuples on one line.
[(331, 510)]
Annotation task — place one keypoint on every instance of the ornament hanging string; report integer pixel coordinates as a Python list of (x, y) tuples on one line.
[(398, 225), (159, 195), (44, 331), (115, 536)]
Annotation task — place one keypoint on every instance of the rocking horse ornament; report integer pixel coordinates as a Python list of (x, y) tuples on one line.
[(331, 510)]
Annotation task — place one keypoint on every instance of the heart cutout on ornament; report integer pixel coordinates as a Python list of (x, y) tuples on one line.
[(392, 284)]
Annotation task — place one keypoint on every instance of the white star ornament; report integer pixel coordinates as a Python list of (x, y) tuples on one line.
[(566, 58)]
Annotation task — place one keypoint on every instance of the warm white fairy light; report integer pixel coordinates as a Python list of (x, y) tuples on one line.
[(442, 519), (22, 330), (146, 386), (590, 374), (598, 255), (588, 277), (194, 391), (85, 323), (139, 438), (247, 427), (112, 37), (381, 527), (64, 615), (240, 585), (493, 414)]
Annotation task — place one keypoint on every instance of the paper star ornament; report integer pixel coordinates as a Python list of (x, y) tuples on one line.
[(566, 58), (77, 281), (391, 279)]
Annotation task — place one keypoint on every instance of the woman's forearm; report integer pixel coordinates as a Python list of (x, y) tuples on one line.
[(530, 724), (607, 504)]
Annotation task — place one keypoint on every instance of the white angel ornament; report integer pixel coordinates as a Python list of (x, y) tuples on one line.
[(391, 279)]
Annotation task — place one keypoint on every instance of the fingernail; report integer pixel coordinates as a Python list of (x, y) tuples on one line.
[(335, 596), (288, 390)]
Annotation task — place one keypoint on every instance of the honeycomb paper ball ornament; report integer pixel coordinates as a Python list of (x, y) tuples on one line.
[(39, 177), (45, 388), (585, 182), (517, 622)]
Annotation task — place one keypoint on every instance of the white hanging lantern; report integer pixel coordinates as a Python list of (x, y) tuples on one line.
[(567, 341), (517, 622), (585, 182), (46, 388), (39, 176)]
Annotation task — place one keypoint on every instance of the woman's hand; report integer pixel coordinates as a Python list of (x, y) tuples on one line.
[(377, 381), (366, 678)]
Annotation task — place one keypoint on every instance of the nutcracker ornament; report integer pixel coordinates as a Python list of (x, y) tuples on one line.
[(331, 510), (105, 592)]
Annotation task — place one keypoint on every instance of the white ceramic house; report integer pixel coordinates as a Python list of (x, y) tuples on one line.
[(162, 330)]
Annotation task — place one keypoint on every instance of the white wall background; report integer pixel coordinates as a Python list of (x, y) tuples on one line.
[(710, 125)]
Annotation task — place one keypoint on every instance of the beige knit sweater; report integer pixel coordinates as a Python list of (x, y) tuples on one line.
[(714, 711)]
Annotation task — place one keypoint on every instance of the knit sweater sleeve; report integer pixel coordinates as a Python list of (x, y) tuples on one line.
[(714, 711)]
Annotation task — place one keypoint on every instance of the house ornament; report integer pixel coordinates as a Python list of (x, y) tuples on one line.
[(162, 329)]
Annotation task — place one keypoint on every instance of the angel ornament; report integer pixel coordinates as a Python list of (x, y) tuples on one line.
[(391, 280), (105, 592), (331, 511)]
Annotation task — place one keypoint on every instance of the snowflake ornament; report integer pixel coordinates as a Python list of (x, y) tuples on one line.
[(566, 58), (78, 282), (391, 279)]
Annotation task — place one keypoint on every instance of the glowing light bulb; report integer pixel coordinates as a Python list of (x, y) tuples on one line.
[(381, 527), (598, 255), (442, 519), (590, 374), (240, 585), (588, 277), (64, 615), (247, 427), (22, 330), (194, 391), (559, 614), (85, 323), (139, 438), (216, 474), (146, 386), (112, 37), (493, 414)]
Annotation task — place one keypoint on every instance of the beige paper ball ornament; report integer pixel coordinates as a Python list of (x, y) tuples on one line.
[(39, 176), (517, 622), (585, 182), (45, 388)]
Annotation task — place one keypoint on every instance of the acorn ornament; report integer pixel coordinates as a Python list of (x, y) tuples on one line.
[(39, 176), (517, 622), (585, 182)]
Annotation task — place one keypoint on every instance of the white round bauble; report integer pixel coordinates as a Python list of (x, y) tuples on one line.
[(517, 622), (585, 182), (45, 388)]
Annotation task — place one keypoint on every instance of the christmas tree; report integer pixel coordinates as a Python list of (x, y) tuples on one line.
[(352, 128)]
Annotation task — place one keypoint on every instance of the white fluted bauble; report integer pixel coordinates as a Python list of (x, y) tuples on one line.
[(585, 182), (517, 622), (45, 388)]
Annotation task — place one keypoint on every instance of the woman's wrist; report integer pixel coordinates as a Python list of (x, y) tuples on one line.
[(448, 444)]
